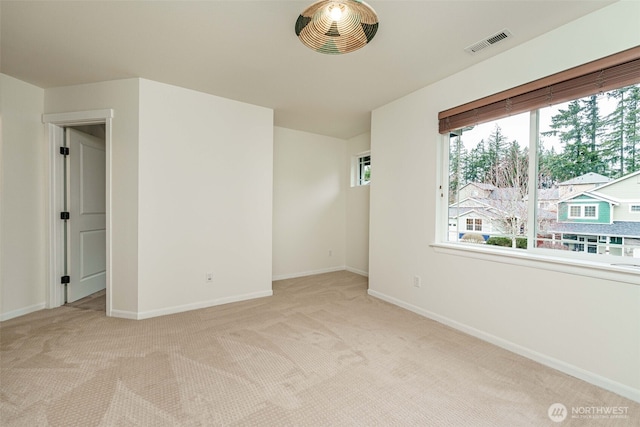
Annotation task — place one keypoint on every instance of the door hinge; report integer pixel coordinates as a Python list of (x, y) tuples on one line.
[(65, 279), (64, 215), (64, 151)]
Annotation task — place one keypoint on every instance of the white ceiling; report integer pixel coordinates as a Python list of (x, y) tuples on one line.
[(248, 50)]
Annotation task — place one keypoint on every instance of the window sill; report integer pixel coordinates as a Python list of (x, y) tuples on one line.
[(628, 273)]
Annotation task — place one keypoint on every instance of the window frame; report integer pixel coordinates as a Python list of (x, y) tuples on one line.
[(474, 223), (608, 267), (357, 169), (583, 210)]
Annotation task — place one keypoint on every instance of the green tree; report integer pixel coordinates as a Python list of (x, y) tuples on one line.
[(578, 128), (475, 167), (621, 145), (482, 161), (549, 168), (496, 151)]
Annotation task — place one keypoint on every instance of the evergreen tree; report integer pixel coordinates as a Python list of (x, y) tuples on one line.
[(496, 150), (549, 168), (578, 127), (593, 130), (621, 146), (475, 168), (632, 130)]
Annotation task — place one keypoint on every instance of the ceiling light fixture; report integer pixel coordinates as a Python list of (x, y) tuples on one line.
[(335, 27)]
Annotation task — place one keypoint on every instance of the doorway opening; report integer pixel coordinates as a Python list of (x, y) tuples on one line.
[(79, 208), (84, 228)]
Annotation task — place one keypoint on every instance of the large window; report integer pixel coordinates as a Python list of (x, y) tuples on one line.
[(559, 179)]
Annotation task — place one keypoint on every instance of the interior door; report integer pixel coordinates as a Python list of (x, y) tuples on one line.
[(87, 227)]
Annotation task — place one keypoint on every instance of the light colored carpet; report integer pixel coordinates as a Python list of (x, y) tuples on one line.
[(319, 352)]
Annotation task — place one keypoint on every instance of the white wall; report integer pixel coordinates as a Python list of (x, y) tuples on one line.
[(213, 153), (122, 96), (357, 210), (585, 326), (205, 199), (23, 267), (309, 181)]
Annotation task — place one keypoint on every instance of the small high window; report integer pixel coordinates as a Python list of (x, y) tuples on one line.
[(361, 169)]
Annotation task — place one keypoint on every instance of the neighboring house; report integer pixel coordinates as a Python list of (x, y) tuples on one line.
[(473, 216), (487, 210), (580, 184), (548, 199), (604, 219), (478, 190)]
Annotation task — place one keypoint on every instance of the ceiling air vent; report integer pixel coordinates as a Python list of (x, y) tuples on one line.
[(491, 40)]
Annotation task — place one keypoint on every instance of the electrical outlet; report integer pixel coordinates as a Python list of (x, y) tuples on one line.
[(209, 277), (417, 282)]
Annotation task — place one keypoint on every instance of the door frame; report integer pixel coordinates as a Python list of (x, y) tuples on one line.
[(55, 124)]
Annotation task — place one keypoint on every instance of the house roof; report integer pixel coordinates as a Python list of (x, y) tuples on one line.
[(587, 178), (546, 214), (618, 228), (482, 185), (508, 193), (490, 207), (474, 201), (594, 195), (455, 212), (548, 194), (622, 178)]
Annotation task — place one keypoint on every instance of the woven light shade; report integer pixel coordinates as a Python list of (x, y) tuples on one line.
[(335, 27)]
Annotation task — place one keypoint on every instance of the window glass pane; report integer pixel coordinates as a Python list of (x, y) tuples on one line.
[(364, 170), (488, 170), (575, 211), (588, 163)]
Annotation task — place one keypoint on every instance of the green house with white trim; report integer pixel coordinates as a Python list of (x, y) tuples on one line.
[(587, 208), (604, 219)]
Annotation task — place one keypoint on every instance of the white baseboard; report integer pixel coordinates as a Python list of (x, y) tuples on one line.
[(355, 270), (567, 368), (188, 307), (122, 314), (307, 273), (22, 311)]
